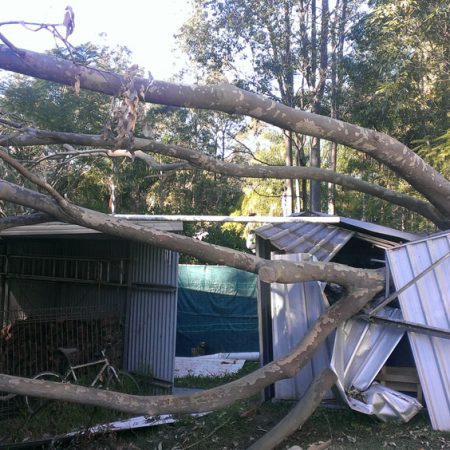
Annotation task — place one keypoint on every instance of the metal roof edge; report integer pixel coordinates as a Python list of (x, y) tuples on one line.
[(60, 229)]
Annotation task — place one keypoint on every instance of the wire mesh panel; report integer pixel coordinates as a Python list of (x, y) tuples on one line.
[(29, 342)]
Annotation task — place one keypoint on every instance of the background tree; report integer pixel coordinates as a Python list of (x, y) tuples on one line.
[(396, 81), (276, 48)]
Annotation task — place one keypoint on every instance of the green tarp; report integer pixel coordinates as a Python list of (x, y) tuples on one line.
[(217, 306)]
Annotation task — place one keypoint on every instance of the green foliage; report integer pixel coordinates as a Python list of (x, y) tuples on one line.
[(398, 73), (85, 180), (436, 152), (372, 209)]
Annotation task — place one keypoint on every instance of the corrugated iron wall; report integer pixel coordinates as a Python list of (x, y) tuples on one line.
[(294, 308), (152, 311), (153, 265), (427, 302), (146, 299)]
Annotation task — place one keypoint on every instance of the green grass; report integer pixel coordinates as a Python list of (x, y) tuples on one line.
[(210, 382), (240, 425), (57, 417)]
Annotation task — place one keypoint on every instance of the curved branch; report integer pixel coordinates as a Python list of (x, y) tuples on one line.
[(33, 178), (232, 100), (32, 136), (299, 414), (113, 154)]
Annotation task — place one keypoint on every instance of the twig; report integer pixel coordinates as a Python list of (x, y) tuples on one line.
[(34, 178), (209, 434)]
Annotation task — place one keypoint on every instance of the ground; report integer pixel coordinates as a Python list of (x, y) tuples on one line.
[(239, 426)]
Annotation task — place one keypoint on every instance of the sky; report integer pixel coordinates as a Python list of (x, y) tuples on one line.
[(146, 27)]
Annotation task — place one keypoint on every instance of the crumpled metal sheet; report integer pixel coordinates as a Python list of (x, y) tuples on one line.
[(360, 351), (388, 404)]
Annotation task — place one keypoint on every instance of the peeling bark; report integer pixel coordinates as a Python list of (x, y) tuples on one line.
[(232, 100)]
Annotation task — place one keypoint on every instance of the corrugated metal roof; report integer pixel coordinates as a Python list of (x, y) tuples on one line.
[(362, 348), (367, 227), (318, 239), (54, 229), (325, 240), (427, 302)]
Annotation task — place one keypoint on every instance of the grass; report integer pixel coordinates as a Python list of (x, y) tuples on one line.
[(210, 382), (55, 418), (241, 424)]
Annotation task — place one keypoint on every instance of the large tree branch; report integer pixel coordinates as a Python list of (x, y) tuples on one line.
[(232, 100), (269, 271), (20, 221), (32, 136), (299, 414)]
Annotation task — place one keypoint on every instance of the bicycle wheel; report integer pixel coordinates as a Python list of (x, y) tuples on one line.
[(35, 404), (124, 382)]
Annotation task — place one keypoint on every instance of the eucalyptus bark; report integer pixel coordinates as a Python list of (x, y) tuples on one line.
[(20, 221), (230, 99)]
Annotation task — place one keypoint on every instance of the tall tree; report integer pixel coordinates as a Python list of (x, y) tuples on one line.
[(276, 48), (396, 82)]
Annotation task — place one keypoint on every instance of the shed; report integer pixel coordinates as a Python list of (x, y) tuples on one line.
[(65, 285), (343, 240)]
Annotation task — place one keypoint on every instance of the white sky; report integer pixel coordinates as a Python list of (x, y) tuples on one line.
[(146, 27)]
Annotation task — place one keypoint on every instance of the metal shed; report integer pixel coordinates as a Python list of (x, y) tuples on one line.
[(64, 270), (348, 241)]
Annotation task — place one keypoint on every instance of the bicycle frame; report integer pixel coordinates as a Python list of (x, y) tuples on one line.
[(106, 366)]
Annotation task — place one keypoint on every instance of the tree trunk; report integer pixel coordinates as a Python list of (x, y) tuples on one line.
[(317, 104)]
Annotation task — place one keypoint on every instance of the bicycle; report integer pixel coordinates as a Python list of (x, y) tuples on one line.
[(107, 377)]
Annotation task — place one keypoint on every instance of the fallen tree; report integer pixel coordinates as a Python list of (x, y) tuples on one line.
[(360, 285)]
